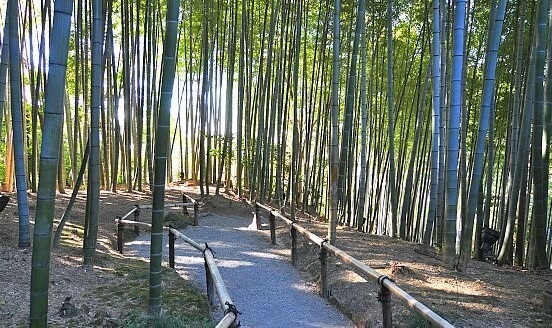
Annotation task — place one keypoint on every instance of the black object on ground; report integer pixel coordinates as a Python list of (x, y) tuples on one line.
[(488, 238), (3, 202)]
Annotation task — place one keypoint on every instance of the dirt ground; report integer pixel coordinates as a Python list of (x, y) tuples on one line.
[(487, 296)]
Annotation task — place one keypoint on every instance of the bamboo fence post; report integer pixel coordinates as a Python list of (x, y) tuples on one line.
[(195, 213), (386, 306), (293, 245), (272, 221), (210, 282), (324, 290), (257, 215), (120, 227), (184, 208), (137, 219), (171, 247)]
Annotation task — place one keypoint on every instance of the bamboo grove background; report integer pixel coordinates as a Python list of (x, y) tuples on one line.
[(422, 120)]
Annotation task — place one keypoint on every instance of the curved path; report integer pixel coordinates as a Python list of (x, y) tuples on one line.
[(259, 277)]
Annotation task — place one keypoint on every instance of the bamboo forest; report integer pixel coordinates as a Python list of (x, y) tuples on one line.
[(428, 122)]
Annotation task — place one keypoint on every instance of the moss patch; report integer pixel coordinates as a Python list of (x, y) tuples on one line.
[(177, 220), (182, 304)]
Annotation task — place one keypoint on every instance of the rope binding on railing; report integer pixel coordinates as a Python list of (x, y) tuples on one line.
[(320, 256), (291, 228), (207, 248), (382, 278), (383, 290), (232, 309)]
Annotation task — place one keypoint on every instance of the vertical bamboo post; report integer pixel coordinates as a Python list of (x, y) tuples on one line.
[(195, 213), (171, 247), (272, 221), (293, 245), (324, 290), (257, 215), (137, 219), (386, 306), (120, 227), (184, 208), (210, 283)]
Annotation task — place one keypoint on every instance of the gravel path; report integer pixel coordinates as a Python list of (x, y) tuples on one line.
[(259, 277)]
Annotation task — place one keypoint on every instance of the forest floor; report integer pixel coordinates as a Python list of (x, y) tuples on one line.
[(113, 294), (485, 296)]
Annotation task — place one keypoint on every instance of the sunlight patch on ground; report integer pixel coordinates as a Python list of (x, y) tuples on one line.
[(264, 255), (188, 260), (145, 242), (232, 263), (303, 287), (453, 287)]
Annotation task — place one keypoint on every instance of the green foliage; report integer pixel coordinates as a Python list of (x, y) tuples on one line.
[(417, 321), (177, 220), (183, 305), (138, 319)]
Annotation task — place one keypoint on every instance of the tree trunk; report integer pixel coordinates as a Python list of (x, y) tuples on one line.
[(334, 150), (51, 139), (161, 143), (539, 150), (484, 121), (453, 139), (93, 192), (393, 226), (17, 125), (436, 73)]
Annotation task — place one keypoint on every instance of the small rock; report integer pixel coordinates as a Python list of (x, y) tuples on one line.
[(110, 323), (101, 314), (68, 309), (85, 308)]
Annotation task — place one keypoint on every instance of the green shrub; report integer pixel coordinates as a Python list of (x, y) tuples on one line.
[(136, 319), (177, 220)]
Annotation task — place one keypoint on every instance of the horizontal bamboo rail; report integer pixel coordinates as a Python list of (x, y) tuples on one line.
[(387, 286), (189, 200), (213, 278), (121, 221), (215, 284), (183, 204)]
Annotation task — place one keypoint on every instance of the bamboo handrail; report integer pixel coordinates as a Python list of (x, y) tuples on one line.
[(121, 221), (136, 208), (186, 239), (144, 224), (213, 276), (227, 321), (386, 284), (182, 204)]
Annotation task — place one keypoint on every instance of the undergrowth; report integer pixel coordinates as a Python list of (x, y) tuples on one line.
[(177, 220), (183, 305)]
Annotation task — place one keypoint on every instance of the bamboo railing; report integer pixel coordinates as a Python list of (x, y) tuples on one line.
[(215, 284), (213, 278), (387, 286), (121, 221)]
